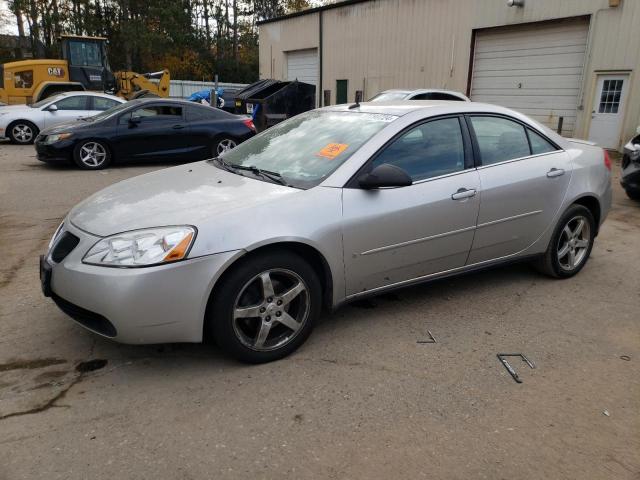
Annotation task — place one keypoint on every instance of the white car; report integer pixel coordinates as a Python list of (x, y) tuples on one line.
[(422, 94), (22, 123)]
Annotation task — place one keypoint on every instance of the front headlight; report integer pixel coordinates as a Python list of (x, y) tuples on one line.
[(140, 248), (56, 138), (55, 235)]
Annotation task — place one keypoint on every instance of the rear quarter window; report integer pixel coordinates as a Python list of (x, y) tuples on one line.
[(197, 114)]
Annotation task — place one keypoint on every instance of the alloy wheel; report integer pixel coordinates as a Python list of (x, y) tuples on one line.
[(573, 244), (271, 310), (93, 154), (22, 133), (225, 145)]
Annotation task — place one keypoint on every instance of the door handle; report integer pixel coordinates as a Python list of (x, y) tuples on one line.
[(178, 127), (555, 172), (463, 193)]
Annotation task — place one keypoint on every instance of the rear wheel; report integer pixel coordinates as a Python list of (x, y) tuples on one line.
[(570, 244), (265, 308), (92, 155), (224, 144), (22, 132)]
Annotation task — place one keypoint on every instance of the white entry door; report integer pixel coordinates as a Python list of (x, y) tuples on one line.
[(608, 110)]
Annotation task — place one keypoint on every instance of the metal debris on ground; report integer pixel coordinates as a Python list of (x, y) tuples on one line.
[(508, 366), (431, 340)]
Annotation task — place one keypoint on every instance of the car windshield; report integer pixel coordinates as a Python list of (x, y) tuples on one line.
[(305, 149), (389, 96), (45, 101)]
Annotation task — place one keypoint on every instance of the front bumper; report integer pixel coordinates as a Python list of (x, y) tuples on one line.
[(161, 304), (56, 152), (630, 179)]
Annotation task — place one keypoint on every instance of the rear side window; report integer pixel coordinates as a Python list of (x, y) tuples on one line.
[(77, 102), (499, 139), (196, 114), (539, 144), (429, 150)]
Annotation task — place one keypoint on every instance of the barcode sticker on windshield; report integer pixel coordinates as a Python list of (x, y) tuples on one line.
[(332, 150)]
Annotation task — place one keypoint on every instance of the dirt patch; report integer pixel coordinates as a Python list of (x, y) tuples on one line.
[(30, 364)]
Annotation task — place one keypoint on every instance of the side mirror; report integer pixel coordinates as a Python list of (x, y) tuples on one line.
[(385, 175), (52, 108), (134, 121)]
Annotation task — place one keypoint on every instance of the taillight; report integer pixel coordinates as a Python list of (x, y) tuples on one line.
[(607, 160), (249, 123)]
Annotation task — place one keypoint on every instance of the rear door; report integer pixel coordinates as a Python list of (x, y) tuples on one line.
[(155, 131), (69, 109), (393, 235), (524, 178)]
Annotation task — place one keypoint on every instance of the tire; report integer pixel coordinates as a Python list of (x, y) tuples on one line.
[(22, 132), (92, 155), (633, 194), (570, 247), (257, 327), (223, 144)]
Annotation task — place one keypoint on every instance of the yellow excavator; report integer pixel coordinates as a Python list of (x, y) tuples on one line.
[(84, 66)]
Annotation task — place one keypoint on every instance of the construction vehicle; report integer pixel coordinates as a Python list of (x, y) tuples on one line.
[(84, 66)]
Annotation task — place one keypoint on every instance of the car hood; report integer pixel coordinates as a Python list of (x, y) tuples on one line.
[(186, 195), (70, 126)]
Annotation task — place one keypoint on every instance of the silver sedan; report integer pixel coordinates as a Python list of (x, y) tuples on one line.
[(327, 207)]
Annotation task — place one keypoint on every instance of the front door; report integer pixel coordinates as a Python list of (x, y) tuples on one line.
[(524, 178), (154, 132), (69, 109), (608, 110), (392, 235)]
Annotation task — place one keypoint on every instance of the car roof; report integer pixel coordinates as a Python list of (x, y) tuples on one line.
[(90, 93), (178, 101), (431, 108)]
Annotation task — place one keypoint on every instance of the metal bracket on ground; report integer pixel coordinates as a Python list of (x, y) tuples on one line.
[(432, 338), (508, 366)]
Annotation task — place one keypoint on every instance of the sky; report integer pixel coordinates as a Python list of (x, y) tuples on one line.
[(7, 20)]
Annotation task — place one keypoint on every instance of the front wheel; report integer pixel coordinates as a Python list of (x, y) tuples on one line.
[(92, 155), (570, 244), (265, 308), (22, 132), (633, 194)]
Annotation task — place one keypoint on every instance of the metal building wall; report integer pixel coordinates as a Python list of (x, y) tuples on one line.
[(383, 44)]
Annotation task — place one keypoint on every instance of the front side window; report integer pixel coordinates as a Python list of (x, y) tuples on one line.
[(77, 102), (307, 148), (102, 104), (499, 139), (429, 150), (23, 79), (156, 113)]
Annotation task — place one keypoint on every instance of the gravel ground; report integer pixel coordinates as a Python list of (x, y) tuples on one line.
[(360, 400)]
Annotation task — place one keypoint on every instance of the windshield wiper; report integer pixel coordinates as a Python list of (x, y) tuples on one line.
[(273, 176)]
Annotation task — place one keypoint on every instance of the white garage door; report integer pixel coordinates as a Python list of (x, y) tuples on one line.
[(534, 69), (303, 65)]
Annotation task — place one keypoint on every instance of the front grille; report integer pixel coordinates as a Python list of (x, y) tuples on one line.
[(86, 318), (63, 247)]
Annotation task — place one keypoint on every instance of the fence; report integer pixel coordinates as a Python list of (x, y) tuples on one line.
[(184, 88)]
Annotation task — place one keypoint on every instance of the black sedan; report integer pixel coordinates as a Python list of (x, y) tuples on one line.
[(630, 180), (144, 129)]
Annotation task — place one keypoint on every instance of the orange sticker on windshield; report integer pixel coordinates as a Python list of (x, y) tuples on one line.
[(332, 150)]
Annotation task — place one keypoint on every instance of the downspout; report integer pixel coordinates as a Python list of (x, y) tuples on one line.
[(320, 92)]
